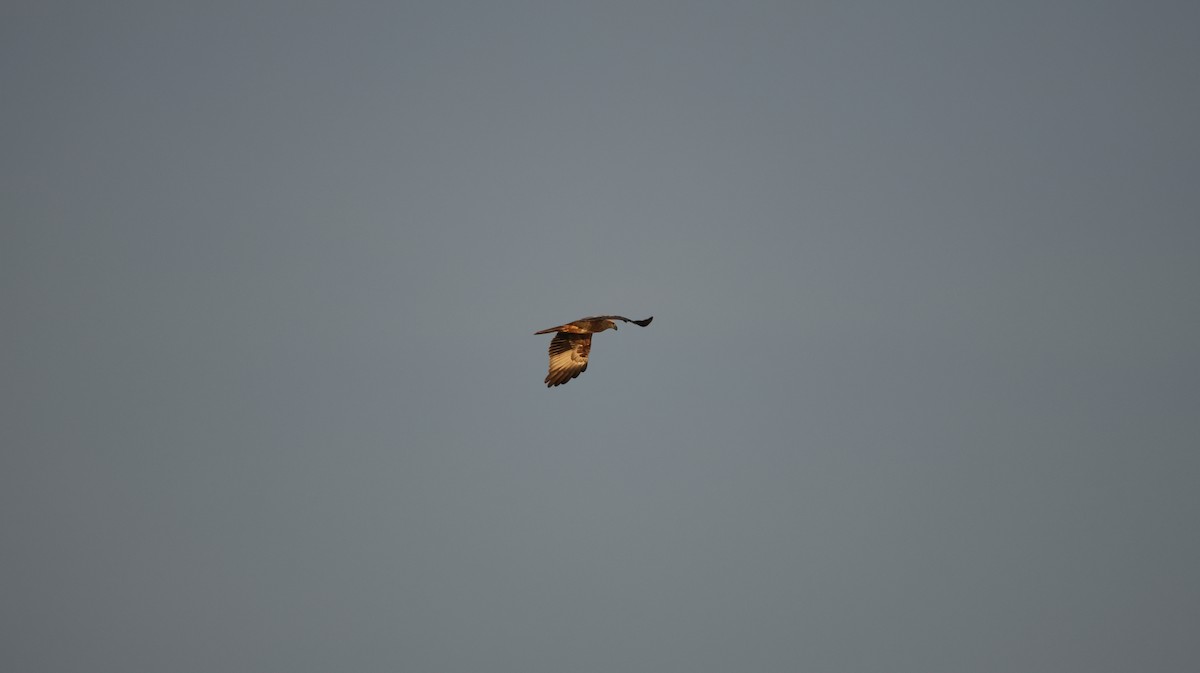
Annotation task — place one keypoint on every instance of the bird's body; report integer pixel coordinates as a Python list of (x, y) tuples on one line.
[(572, 343)]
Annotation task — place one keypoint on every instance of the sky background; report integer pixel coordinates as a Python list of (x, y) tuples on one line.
[(920, 394)]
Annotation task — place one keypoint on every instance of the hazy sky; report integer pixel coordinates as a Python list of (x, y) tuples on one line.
[(920, 394)]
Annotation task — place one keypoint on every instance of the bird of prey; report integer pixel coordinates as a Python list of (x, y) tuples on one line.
[(570, 346)]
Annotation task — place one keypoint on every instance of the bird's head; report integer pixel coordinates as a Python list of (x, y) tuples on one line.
[(597, 324)]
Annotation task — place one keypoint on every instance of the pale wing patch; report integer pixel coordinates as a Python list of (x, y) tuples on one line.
[(568, 357)]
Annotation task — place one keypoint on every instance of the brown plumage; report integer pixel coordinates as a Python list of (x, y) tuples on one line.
[(571, 345)]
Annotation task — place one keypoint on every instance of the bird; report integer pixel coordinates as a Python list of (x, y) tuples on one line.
[(573, 341)]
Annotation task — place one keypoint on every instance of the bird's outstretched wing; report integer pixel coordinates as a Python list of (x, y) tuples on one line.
[(580, 328), (568, 357), (642, 323)]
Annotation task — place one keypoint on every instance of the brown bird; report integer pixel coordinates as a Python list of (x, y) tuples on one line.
[(570, 347)]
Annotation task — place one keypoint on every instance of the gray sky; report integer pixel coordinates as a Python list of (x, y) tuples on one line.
[(920, 394)]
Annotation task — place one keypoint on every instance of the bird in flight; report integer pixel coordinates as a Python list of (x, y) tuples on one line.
[(570, 346)]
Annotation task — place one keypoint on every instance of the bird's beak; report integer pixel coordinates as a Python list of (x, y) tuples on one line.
[(615, 326)]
